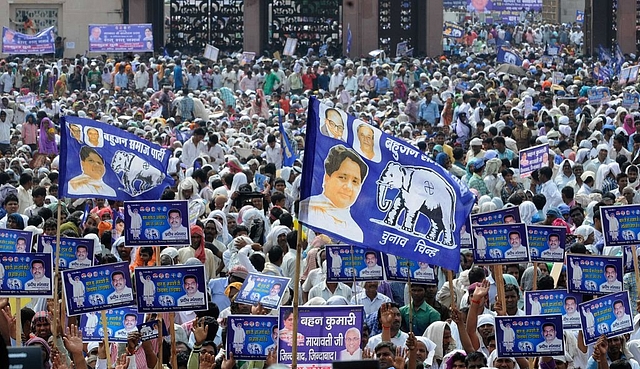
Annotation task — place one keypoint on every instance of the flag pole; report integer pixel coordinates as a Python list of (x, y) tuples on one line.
[(296, 297), (56, 275)]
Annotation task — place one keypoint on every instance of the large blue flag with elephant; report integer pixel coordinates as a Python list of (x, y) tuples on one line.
[(369, 189), (100, 160)]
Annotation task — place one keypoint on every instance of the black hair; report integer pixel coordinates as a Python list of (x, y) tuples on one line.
[(339, 154), (275, 254)]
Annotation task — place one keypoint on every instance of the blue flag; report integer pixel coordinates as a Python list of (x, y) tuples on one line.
[(619, 59), (508, 55), (99, 160), (357, 178), (288, 154), (349, 37)]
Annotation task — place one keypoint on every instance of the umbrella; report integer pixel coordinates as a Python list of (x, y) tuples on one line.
[(511, 69)]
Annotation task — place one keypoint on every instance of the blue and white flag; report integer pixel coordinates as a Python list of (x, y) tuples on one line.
[(99, 160), (508, 55), (356, 178), (452, 30), (19, 43), (349, 38), (288, 153)]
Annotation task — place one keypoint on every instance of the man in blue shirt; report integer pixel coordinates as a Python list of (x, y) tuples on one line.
[(382, 83), (428, 109)]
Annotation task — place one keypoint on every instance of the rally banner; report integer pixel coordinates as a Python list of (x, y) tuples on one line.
[(120, 322), (630, 100), (97, 288), (499, 244), (263, 289), (401, 269), (594, 275), (620, 224), (599, 95), (150, 330), (628, 258), (19, 43), (26, 275), (100, 160), (252, 337), (325, 334), (633, 74), (452, 30), (348, 263), (508, 55), (503, 216), (465, 236), (350, 165), (579, 16), (172, 288), (12, 240), (121, 37), (554, 302), (527, 336), (533, 158), (156, 223), (546, 243), (622, 80), (506, 11), (74, 252), (609, 315)]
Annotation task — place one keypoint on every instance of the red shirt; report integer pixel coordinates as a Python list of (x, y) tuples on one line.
[(307, 80)]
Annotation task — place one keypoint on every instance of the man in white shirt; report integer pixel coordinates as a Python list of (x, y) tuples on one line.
[(194, 147), (623, 320), (39, 281), (215, 151), (370, 298), (612, 284), (352, 350), (122, 292), (5, 132), (193, 296), (273, 152), (372, 269), (517, 250), (549, 189), (326, 290)]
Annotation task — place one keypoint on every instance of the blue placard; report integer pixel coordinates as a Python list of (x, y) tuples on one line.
[(401, 269), (579, 16), (357, 178), (19, 43), (75, 253), (121, 37), (599, 95), (509, 216), (546, 243), (630, 100), (97, 288), (628, 258), (499, 244), (325, 334), (620, 225), (251, 337), (452, 30), (594, 275), (100, 160), (533, 158), (527, 336), (465, 235), (120, 322), (156, 223), (554, 302), (263, 289), (12, 240), (26, 274), (175, 288), (348, 263), (149, 330), (609, 315)]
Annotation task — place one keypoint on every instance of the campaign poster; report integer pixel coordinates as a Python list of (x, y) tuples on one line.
[(150, 330), (401, 269), (594, 275), (533, 158), (156, 223), (465, 236), (172, 288), (325, 334), (26, 275), (348, 263), (290, 46), (463, 86), (74, 252), (579, 16), (251, 337), (546, 243), (553, 302), (599, 95), (628, 258), (527, 336), (97, 288), (120, 322), (622, 80), (609, 315), (12, 240), (247, 57), (503, 216), (500, 244), (620, 224), (19, 43), (211, 52), (452, 30), (121, 37), (631, 100), (263, 289), (633, 74)]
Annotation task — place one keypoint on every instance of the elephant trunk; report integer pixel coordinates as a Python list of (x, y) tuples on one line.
[(383, 203)]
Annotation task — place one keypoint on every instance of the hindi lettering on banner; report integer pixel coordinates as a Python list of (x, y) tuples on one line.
[(620, 224), (12, 240), (97, 288), (267, 290), (452, 30), (528, 336), (351, 165), (97, 159), (363, 265), (503, 216), (121, 37), (554, 302), (594, 275), (156, 223), (74, 252), (608, 315), (16, 43), (546, 243), (533, 158), (150, 330), (120, 322), (252, 337), (172, 288), (26, 275), (401, 269), (599, 95), (499, 244), (504, 11)]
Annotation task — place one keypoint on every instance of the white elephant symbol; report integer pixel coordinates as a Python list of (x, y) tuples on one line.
[(420, 190)]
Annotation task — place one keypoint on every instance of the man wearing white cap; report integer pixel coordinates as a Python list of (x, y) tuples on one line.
[(603, 158), (476, 149)]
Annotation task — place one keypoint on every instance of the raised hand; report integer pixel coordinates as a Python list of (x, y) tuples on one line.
[(386, 315), (399, 360), (200, 331), (207, 361), (122, 362), (481, 290), (367, 353), (229, 363), (411, 342), (73, 340), (272, 358)]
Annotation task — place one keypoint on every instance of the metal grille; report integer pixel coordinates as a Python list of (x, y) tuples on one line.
[(196, 23), (42, 18), (397, 23), (316, 24)]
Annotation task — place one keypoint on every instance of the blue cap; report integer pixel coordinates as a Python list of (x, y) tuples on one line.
[(609, 126), (490, 154), (477, 163), (564, 209)]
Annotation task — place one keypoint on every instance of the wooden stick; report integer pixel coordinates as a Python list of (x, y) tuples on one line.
[(453, 297), (354, 294), (410, 300), (105, 332), (18, 322), (296, 297), (634, 252), (55, 278), (160, 338), (497, 276), (172, 331), (535, 275)]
